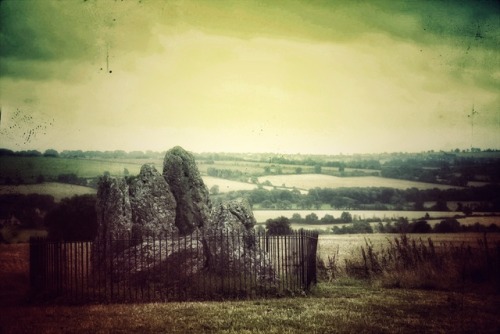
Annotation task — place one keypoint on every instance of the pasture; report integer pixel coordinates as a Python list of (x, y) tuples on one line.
[(311, 181), (29, 168), (227, 185), (55, 189)]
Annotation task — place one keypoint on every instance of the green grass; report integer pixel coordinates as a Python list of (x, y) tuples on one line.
[(29, 168), (343, 308), (345, 305)]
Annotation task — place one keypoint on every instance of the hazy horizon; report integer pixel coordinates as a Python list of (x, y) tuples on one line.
[(308, 77)]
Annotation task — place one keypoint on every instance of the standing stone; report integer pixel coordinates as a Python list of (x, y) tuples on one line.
[(114, 216), (114, 213), (234, 216), (191, 194), (153, 205), (238, 247)]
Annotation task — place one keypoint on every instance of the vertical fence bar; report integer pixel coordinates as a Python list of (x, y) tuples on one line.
[(241, 262), (193, 286), (168, 277), (131, 249), (234, 270), (136, 249), (302, 260), (184, 287), (221, 260), (159, 271), (49, 267), (104, 263), (230, 263), (262, 264), (146, 265), (297, 261), (87, 268), (287, 261), (141, 264)]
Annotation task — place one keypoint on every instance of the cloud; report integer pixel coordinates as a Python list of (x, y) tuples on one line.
[(314, 75)]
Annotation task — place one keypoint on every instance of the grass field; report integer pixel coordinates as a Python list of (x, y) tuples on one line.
[(311, 181), (29, 168), (227, 185), (348, 244), (57, 190), (347, 306)]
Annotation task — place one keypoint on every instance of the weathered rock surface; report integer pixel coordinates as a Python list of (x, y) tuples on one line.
[(179, 256), (153, 205), (191, 194), (114, 213), (236, 246), (171, 219), (232, 215)]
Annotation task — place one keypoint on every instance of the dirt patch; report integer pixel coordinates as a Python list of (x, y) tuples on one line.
[(14, 273)]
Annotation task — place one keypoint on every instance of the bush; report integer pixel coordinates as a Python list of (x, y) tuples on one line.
[(279, 226), (447, 226), (74, 219)]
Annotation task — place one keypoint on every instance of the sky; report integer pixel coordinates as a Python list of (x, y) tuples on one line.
[(310, 77)]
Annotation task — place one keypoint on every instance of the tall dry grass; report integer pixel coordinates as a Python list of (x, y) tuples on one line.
[(405, 262)]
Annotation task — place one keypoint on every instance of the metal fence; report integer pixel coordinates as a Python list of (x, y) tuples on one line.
[(219, 265)]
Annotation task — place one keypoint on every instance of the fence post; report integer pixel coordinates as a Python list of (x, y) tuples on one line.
[(311, 268)]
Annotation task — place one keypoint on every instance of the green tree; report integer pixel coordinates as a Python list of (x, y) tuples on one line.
[(361, 227), (346, 217), (51, 153), (327, 219), (296, 218), (279, 226), (402, 225), (312, 218), (214, 190), (420, 226), (267, 204), (440, 205), (450, 225)]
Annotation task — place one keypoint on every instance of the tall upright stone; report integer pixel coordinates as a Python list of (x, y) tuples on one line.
[(114, 213), (153, 204), (114, 216), (191, 194)]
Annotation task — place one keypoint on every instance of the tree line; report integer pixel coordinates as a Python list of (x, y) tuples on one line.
[(71, 219), (283, 225), (70, 154), (373, 198)]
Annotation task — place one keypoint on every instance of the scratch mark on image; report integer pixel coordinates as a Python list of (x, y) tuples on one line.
[(24, 127)]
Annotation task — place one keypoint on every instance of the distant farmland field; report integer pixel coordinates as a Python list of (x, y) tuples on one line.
[(348, 244), (227, 185), (311, 181), (57, 190), (29, 168)]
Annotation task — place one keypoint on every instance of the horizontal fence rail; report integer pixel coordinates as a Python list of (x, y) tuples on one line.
[(200, 266)]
